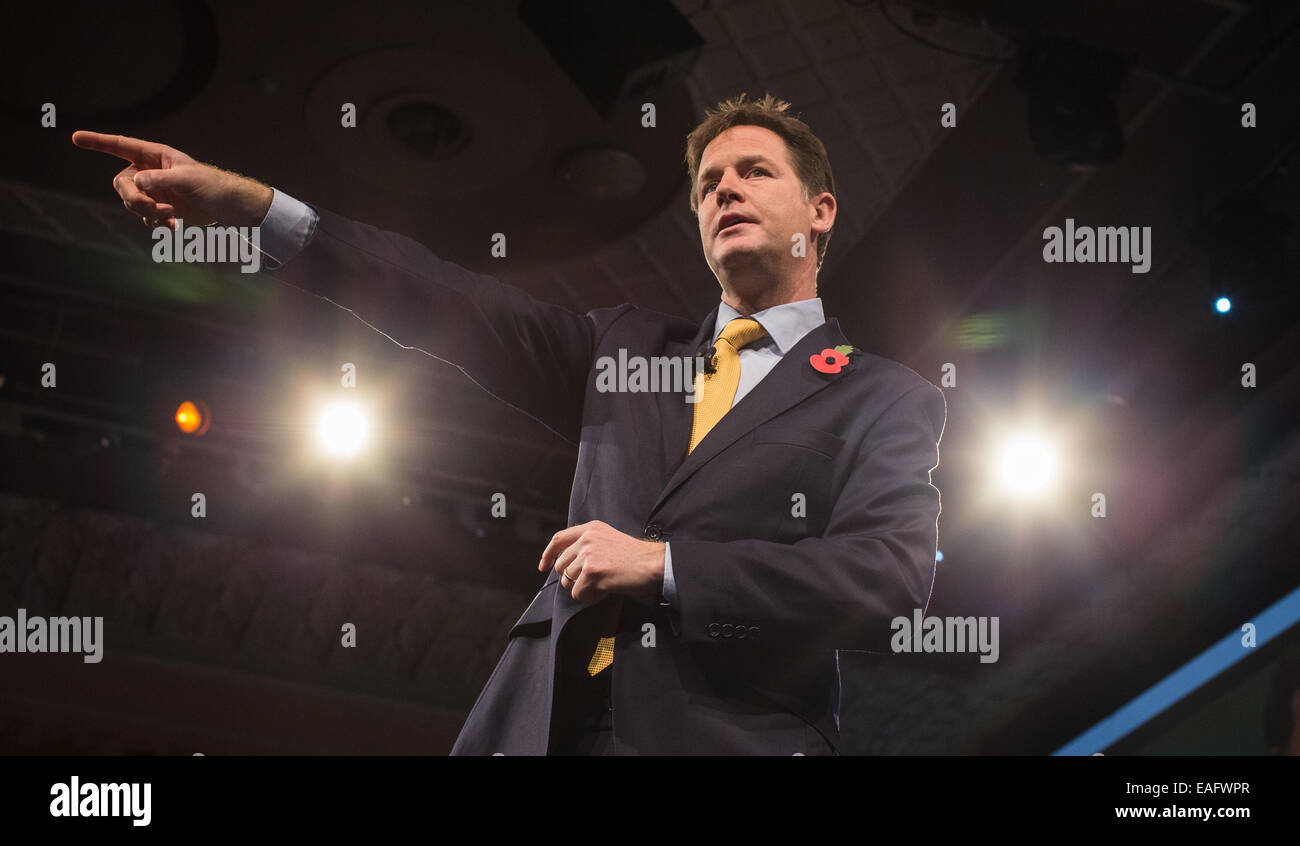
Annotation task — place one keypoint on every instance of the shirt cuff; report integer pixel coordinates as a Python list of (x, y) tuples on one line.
[(287, 228), (670, 586)]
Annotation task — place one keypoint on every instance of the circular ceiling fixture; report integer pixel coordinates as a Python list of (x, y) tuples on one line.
[(421, 129), (429, 130)]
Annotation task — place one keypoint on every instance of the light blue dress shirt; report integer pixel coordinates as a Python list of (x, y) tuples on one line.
[(289, 225), (286, 229)]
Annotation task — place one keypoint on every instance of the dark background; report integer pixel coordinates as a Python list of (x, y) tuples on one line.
[(222, 634)]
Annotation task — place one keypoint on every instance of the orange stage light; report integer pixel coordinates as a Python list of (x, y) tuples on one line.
[(190, 419)]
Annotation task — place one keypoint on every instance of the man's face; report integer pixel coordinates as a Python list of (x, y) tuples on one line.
[(745, 174)]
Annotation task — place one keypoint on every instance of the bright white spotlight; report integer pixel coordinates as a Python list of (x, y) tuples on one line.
[(1223, 305), (1026, 464), (342, 429)]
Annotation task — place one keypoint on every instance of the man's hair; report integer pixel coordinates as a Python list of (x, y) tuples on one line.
[(806, 151)]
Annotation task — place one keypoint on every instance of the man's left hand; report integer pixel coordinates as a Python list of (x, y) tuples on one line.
[(595, 559)]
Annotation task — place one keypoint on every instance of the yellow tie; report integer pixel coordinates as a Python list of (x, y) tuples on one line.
[(602, 657), (714, 393)]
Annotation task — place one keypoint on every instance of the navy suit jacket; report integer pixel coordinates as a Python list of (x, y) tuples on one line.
[(747, 662)]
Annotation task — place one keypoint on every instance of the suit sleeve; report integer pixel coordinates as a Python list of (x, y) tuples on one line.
[(532, 355), (875, 561)]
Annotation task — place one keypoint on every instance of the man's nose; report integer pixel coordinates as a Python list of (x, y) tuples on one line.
[(726, 192)]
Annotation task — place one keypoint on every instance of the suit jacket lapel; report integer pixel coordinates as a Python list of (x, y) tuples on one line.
[(791, 382), (675, 414)]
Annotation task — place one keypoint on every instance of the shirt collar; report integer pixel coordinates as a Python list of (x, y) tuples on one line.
[(786, 324)]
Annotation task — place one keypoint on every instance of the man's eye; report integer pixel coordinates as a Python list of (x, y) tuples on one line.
[(758, 170), (708, 186)]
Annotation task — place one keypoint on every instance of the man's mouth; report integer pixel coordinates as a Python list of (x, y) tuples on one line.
[(730, 221)]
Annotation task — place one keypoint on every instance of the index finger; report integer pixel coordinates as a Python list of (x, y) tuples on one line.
[(560, 541), (131, 149)]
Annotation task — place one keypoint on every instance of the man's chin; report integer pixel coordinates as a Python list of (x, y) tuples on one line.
[(737, 256)]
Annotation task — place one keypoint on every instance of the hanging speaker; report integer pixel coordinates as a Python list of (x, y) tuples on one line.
[(615, 53)]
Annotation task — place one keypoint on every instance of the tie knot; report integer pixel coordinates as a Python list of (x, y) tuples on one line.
[(741, 331)]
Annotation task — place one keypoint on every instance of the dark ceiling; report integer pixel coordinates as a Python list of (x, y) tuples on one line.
[(937, 259)]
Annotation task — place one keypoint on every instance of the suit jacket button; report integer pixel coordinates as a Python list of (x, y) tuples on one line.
[(654, 532), (713, 629)]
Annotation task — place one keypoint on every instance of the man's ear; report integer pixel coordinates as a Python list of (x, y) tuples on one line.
[(823, 212)]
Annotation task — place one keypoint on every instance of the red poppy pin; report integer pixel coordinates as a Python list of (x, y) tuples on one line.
[(831, 360)]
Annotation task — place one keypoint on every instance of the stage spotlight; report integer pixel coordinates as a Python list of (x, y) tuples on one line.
[(192, 418), (1223, 305), (1025, 464), (342, 429)]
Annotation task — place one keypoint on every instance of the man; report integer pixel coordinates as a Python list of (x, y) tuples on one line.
[(718, 551)]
